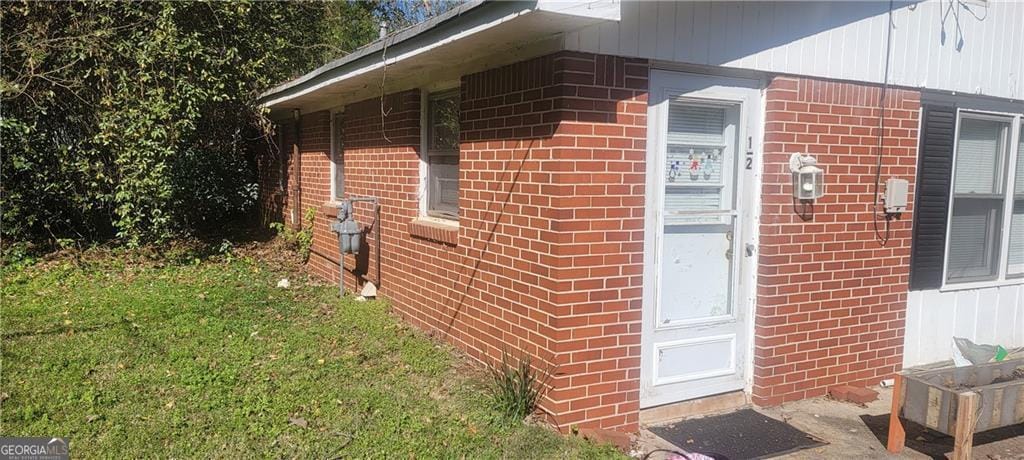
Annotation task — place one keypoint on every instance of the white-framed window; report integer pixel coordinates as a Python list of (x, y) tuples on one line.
[(985, 233), (441, 158), (337, 156), (1015, 258)]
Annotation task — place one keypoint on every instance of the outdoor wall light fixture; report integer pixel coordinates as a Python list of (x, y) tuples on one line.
[(808, 178), (808, 184)]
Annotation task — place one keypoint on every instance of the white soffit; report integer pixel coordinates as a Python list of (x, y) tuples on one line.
[(470, 38)]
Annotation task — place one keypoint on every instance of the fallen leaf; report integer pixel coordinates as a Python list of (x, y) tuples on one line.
[(299, 422), (92, 418)]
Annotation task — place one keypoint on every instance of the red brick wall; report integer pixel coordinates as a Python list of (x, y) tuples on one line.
[(546, 260), (374, 166), (315, 147), (831, 300), (277, 183), (598, 198)]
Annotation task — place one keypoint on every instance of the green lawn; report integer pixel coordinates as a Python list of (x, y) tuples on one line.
[(130, 358)]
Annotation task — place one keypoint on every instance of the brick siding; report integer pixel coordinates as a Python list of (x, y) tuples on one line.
[(597, 196), (546, 259), (831, 300)]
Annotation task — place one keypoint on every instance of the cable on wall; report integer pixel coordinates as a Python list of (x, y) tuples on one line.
[(883, 239)]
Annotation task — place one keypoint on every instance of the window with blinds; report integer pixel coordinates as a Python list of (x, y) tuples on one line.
[(337, 157), (442, 187), (694, 180), (1015, 260), (982, 181)]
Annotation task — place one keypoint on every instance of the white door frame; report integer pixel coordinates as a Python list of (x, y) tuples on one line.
[(749, 92)]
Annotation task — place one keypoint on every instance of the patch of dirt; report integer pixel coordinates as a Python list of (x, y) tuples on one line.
[(258, 244), (275, 253)]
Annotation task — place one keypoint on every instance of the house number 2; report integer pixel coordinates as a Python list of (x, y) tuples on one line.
[(750, 153)]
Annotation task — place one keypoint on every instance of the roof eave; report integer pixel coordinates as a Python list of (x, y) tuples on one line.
[(374, 47), (473, 19)]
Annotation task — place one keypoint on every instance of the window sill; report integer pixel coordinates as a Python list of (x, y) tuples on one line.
[(981, 285), (434, 229), (330, 208)]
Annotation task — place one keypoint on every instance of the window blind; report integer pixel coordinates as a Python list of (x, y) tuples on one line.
[(975, 230), (695, 160), (444, 186), (974, 239), (338, 157), (443, 154), (695, 124), (979, 156), (1015, 262)]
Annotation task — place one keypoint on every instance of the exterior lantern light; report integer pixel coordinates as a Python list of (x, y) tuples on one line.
[(808, 178)]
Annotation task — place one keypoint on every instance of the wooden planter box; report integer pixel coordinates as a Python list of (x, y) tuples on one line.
[(958, 401)]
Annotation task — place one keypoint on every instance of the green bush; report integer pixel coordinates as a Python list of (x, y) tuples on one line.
[(301, 240), (516, 387), (134, 120)]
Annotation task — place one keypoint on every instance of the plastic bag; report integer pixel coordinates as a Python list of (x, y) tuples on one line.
[(966, 353)]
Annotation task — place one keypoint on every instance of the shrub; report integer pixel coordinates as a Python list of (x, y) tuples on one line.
[(302, 239), (133, 120), (516, 388)]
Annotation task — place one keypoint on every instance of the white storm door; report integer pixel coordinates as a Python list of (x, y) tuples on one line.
[(695, 318)]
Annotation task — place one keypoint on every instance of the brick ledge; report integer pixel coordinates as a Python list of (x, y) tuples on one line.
[(435, 231), (330, 208)]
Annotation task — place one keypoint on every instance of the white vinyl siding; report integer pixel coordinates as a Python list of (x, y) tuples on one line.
[(983, 245), (846, 40), (991, 314), (442, 158)]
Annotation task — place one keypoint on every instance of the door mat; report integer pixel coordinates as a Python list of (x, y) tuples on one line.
[(739, 435)]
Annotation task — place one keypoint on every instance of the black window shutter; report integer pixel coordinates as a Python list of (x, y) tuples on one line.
[(934, 176)]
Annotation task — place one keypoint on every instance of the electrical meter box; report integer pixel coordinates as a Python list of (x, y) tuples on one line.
[(895, 195)]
